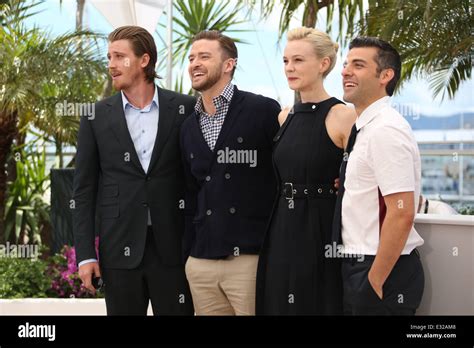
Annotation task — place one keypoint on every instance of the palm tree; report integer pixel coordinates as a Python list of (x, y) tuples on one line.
[(80, 5), (79, 12), (433, 37), (35, 65), (78, 85), (195, 16), (348, 13)]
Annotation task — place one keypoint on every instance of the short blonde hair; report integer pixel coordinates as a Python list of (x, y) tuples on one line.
[(322, 44)]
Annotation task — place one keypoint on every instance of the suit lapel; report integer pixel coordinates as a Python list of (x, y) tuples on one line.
[(198, 133), (118, 123), (165, 123)]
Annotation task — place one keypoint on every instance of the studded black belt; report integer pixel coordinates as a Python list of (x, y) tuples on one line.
[(290, 190)]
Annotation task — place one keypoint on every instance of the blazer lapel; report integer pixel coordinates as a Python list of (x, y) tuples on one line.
[(118, 123), (165, 123), (196, 127)]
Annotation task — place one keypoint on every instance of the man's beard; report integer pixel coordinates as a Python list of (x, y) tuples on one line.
[(121, 85), (213, 78), (132, 80)]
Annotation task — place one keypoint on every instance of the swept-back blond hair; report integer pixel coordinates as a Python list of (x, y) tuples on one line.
[(322, 44)]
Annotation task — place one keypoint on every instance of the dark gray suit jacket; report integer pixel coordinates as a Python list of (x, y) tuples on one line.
[(109, 180)]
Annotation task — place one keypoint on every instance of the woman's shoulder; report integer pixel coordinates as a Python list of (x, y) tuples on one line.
[(282, 116)]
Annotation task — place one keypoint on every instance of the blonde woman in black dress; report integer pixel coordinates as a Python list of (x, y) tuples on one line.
[(296, 275)]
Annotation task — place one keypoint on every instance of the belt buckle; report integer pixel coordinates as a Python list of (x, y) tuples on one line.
[(290, 185)]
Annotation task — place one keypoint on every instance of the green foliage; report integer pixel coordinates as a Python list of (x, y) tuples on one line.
[(63, 274), (26, 211), (202, 15), (434, 39), (179, 86), (192, 17), (466, 210), (21, 9), (21, 277), (347, 13), (56, 276), (39, 70)]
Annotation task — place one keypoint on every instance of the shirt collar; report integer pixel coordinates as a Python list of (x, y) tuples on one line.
[(147, 108), (371, 112), (226, 94)]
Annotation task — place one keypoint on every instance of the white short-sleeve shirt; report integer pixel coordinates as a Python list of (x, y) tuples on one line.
[(385, 160)]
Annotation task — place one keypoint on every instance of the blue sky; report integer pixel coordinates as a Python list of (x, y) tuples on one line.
[(260, 66)]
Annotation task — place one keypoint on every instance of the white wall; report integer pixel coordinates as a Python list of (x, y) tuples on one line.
[(54, 306), (448, 261)]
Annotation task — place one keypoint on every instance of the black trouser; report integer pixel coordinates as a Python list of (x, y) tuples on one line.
[(128, 291), (402, 291)]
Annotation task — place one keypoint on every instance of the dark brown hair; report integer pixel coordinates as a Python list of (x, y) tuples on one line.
[(226, 43), (387, 58), (142, 42)]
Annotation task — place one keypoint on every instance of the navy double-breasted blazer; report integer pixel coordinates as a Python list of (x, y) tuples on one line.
[(230, 191)]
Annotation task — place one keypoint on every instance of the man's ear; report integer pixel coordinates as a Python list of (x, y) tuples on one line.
[(229, 66), (145, 60), (386, 76)]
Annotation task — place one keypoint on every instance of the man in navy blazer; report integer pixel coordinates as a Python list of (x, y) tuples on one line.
[(226, 145)]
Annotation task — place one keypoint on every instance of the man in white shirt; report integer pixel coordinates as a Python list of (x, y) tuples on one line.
[(380, 188)]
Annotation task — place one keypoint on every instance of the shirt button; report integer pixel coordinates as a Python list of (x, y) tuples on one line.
[(191, 155), (144, 151), (232, 210), (227, 175), (145, 204), (208, 178), (143, 131), (209, 212), (313, 107), (240, 140)]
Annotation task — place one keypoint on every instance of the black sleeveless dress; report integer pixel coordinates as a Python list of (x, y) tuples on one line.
[(294, 275)]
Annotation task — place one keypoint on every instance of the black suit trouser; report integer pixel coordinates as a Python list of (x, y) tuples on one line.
[(402, 291), (128, 291)]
